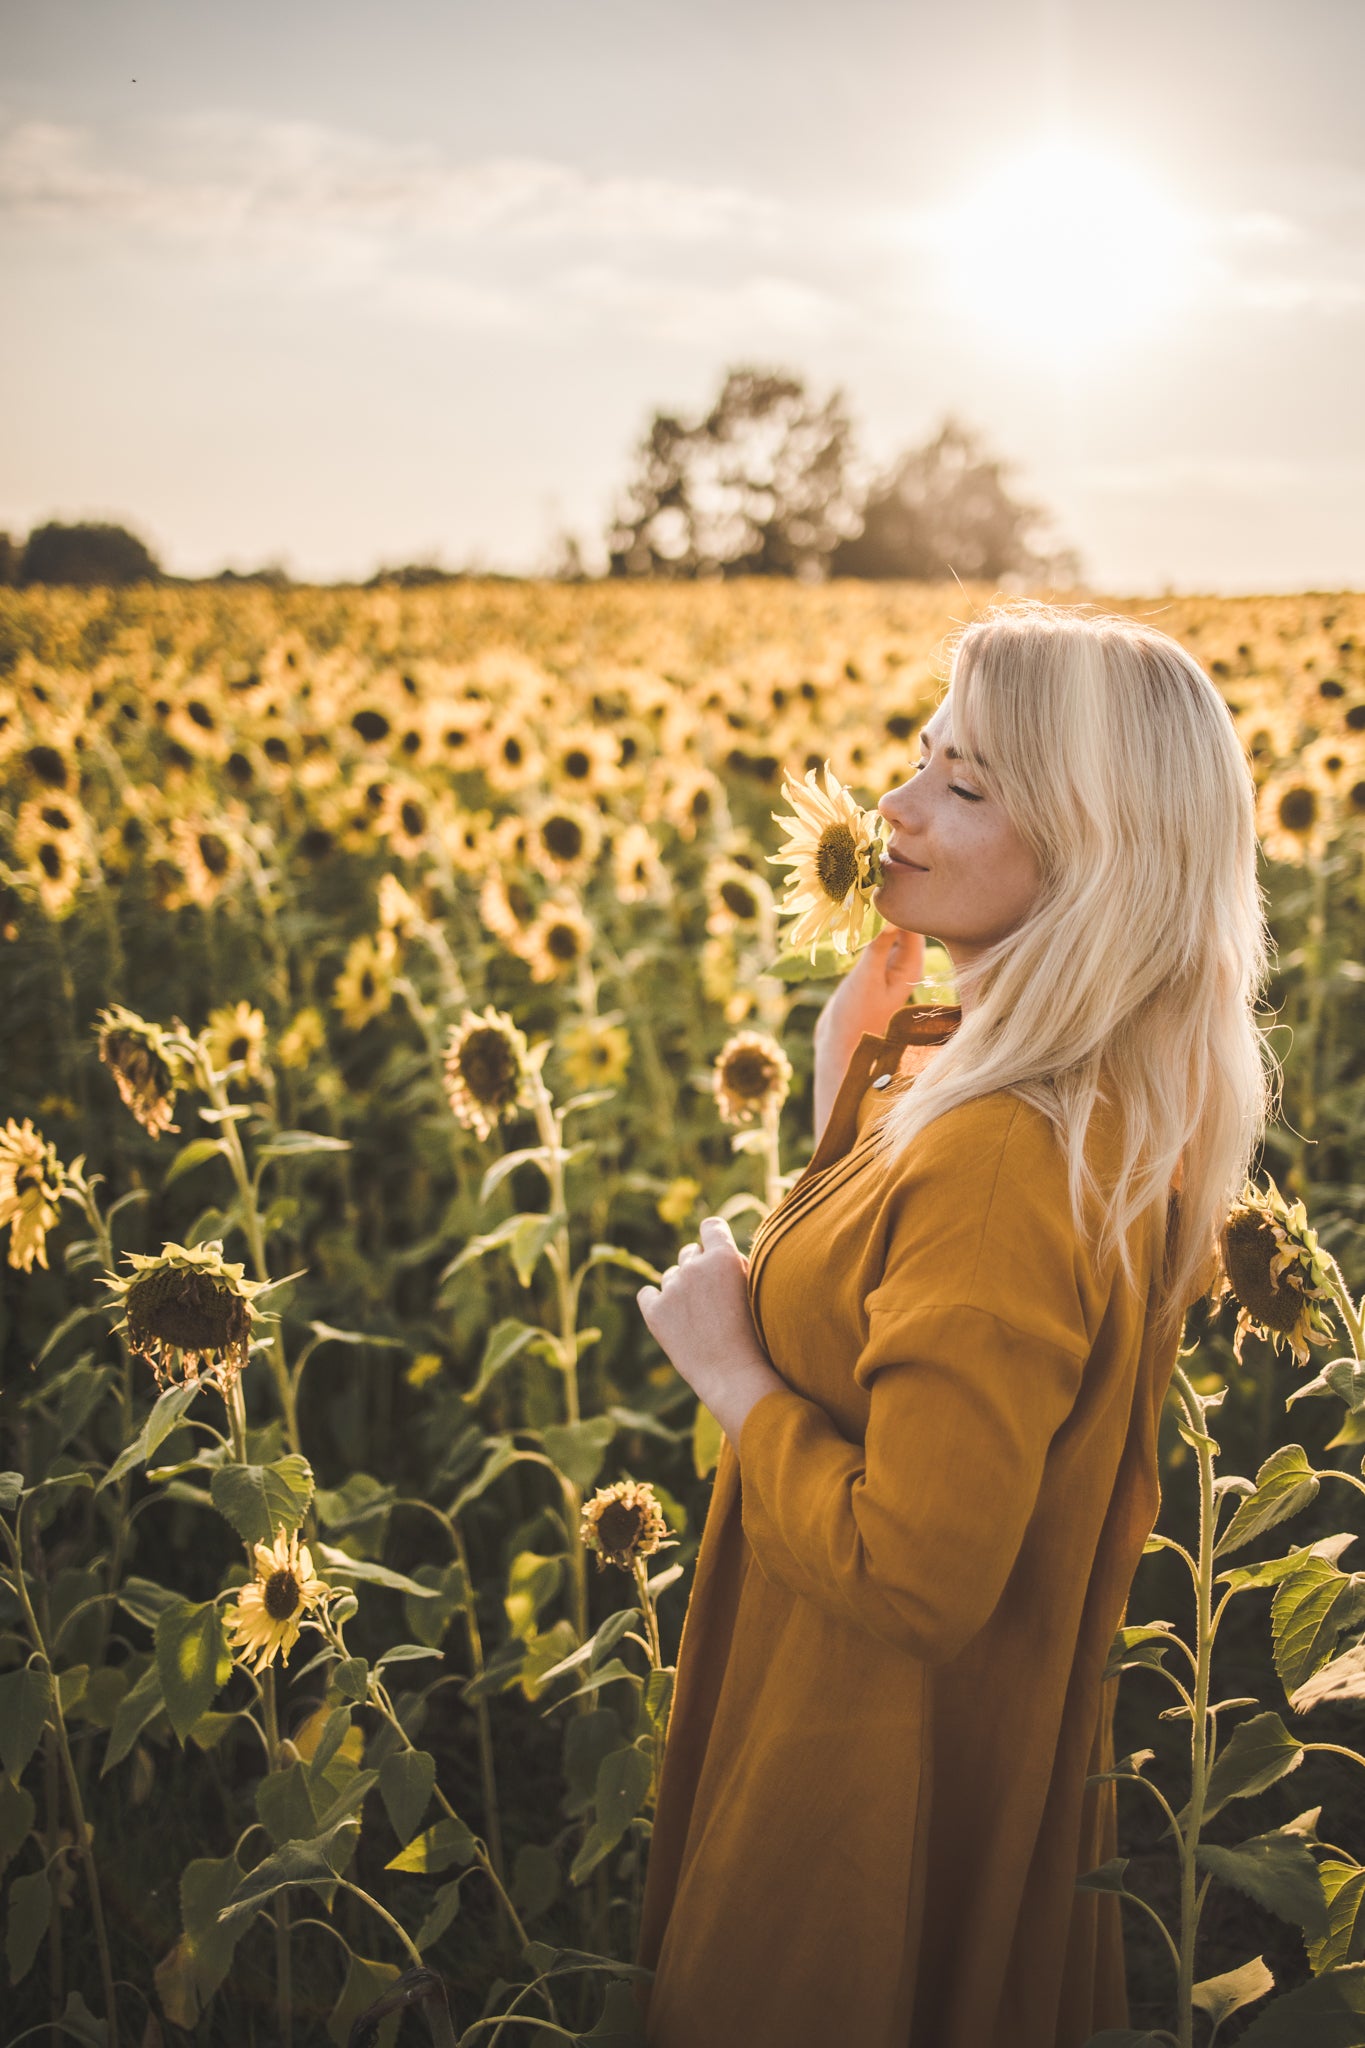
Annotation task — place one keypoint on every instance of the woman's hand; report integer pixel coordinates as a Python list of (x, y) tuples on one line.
[(700, 1316), (879, 983)]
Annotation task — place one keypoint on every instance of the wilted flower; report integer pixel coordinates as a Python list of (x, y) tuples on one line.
[(835, 857), (596, 1051), (236, 1032), (188, 1312), (270, 1609), (31, 1182), (751, 1076), (623, 1522), (486, 1070), (146, 1068), (1274, 1268)]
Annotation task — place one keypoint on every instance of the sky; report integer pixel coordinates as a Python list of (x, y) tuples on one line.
[(337, 283)]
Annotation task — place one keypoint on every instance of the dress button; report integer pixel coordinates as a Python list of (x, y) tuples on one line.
[(882, 1081)]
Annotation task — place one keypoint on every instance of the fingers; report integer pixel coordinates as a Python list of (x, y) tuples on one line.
[(689, 1251)]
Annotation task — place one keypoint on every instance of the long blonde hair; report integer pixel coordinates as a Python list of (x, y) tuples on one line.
[(1135, 977)]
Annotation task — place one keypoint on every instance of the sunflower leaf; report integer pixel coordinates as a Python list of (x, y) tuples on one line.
[(1285, 1484), (1308, 1614), (158, 1426), (260, 1500), (193, 1660)]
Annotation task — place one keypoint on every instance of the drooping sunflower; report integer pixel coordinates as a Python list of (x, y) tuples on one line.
[(188, 1312), (1273, 1266), (751, 1077), (624, 1522), (596, 1051), (31, 1183), (364, 987), (146, 1067), (264, 1621), (236, 1031), (835, 857), (487, 1070), (556, 941)]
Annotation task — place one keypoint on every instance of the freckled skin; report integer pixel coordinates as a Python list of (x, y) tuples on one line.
[(981, 877)]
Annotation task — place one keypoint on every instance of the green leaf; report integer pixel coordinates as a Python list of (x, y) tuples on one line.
[(28, 1910), (1220, 1996), (362, 1569), (487, 1241), (1309, 1612), (316, 1863), (429, 1619), (592, 1849), (1285, 1484), (1108, 1877), (578, 1448), (623, 1781), (450, 1841), (532, 1581), (259, 1500), (298, 1144), (145, 1600), (366, 1983), (1259, 1752), (1326, 2012), (335, 1730), (505, 1340), (510, 1161), (11, 1491), (618, 2023), (658, 1694), (406, 1781), (25, 1696), (16, 1818), (285, 1805), (193, 1659), (158, 1426), (441, 1912), (1278, 1871), (1134, 1647), (502, 1455), (613, 1255), (206, 1885), (1342, 1679), (194, 1154), (535, 1879), (1343, 1886), (63, 1329), (137, 1707)]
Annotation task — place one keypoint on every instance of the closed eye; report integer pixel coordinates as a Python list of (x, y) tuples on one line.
[(970, 795)]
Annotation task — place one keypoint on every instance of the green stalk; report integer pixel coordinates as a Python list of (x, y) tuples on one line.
[(1199, 1720), (284, 1993)]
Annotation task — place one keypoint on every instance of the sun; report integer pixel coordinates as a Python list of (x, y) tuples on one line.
[(1067, 250)]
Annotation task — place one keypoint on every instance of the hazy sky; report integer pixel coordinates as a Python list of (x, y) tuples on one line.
[(336, 282)]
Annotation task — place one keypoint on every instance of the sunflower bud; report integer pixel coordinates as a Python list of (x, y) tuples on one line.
[(1275, 1270)]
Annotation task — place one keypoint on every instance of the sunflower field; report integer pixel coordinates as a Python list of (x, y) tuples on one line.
[(392, 981)]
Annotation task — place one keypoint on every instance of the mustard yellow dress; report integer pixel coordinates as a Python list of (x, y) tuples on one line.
[(873, 1807)]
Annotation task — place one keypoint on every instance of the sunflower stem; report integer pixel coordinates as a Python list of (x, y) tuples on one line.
[(284, 1998), (1199, 1716)]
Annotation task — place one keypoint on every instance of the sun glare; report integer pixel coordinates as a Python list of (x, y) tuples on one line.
[(1067, 249)]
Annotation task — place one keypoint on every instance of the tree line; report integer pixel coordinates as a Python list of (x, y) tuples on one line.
[(767, 481)]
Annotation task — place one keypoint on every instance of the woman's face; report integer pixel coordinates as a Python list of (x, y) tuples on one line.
[(974, 879)]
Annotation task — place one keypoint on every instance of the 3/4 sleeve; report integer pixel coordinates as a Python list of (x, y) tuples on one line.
[(913, 1534)]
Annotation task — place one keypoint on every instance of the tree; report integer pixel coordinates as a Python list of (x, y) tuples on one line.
[(86, 553), (759, 486), (944, 508)]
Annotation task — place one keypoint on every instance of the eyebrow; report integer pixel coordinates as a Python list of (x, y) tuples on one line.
[(953, 753)]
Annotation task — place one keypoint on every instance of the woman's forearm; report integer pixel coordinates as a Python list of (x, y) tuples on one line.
[(833, 1051)]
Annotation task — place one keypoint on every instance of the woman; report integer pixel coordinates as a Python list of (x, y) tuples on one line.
[(940, 1371)]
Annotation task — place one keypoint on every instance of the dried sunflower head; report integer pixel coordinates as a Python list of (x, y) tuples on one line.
[(147, 1067), (188, 1312), (835, 857), (1273, 1266), (488, 1068), (623, 1522), (31, 1183), (751, 1076), (265, 1621)]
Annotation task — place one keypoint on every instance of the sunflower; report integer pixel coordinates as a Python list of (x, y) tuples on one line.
[(405, 820), (1296, 813), (298, 1042), (465, 836), (1273, 1266), (265, 1620), (685, 795), (565, 840), (31, 1183), (678, 1200), (751, 1077), (208, 857), (146, 1067), (624, 1522), (187, 1312), (555, 942), (364, 988), (637, 871), (596, 1051), (509, 757), (507, 906), (835, 857), (737, 900), (53, 856), (585, 759), (235, 1033), (398, 913), (487, 1070)]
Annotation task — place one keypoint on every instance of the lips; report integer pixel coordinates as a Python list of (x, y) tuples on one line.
[(898, 860)]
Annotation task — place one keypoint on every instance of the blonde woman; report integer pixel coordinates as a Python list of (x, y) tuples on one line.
[(940, 1370)]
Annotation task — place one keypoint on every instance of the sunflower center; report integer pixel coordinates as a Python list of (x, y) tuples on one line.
[(562, 941), (738, 900), (488, 1066), (414, 819), (577, 764), (749, 1074), (1299, 809), (620, 1525), (563, 837), (836, 862), (281, 1595), (1249, 1245), (213, 852), (189, 1310)]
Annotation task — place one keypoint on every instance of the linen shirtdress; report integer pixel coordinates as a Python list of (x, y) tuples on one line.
[(873, 1809)]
